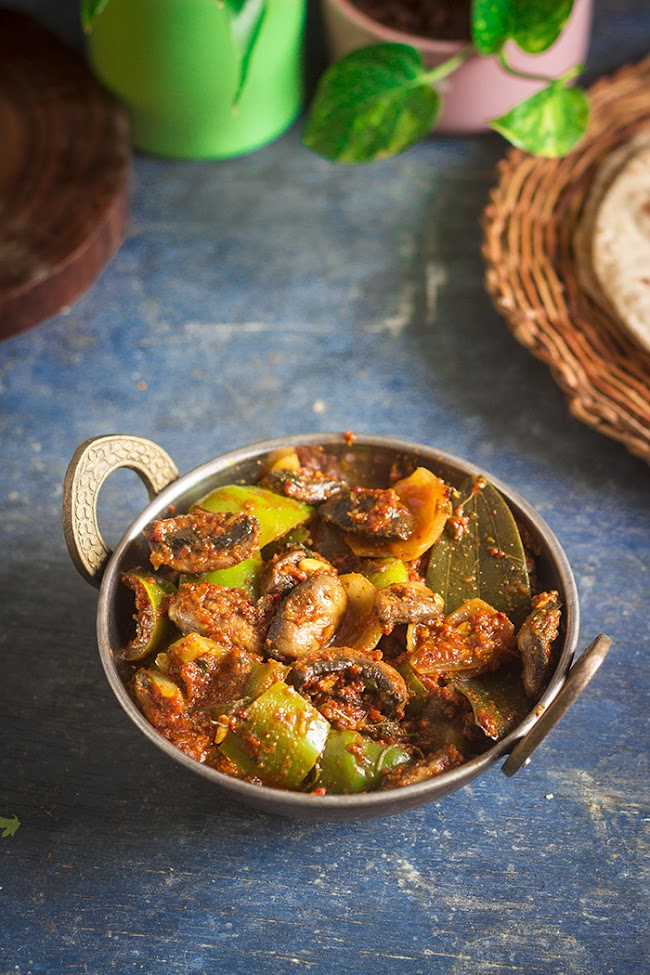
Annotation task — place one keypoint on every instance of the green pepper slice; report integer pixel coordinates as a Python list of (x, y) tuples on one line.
[(159, 697), (295, 536), (152, 626), (245, 575), (351, 763), (191, 647), (387, 571), (276, 514), (418, 694), (263, 676), (277, 738)]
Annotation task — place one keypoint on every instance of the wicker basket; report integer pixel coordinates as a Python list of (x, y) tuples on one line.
[(529, 227)]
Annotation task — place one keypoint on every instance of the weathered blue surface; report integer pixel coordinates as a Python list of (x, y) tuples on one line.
[(270, 295)]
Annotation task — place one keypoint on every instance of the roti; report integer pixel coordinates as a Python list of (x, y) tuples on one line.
[(612, 240)]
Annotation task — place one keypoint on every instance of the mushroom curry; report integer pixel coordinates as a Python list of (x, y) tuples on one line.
[(321, 632)]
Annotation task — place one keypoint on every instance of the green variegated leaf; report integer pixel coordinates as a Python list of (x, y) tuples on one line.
[(549, 123), (536, 24), (491, 21), (246, 17), (487, 561), (371, 105), (90, 9)]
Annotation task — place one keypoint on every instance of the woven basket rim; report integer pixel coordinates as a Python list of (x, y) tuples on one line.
[(532, 275)]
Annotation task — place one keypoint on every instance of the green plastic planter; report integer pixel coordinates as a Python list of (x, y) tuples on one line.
[(172, 63)]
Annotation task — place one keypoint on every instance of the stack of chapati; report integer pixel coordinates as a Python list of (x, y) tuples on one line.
[(612, 238)]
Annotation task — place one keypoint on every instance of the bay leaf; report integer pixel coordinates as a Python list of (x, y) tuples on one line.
[(498, 701), (486, 559)]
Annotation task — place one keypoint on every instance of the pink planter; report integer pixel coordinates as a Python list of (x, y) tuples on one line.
[(480, 89)]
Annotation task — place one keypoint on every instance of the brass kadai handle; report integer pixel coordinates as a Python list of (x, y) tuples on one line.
[(91, 464), (578, 678)]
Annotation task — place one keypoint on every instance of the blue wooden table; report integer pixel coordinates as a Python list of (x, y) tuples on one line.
[(272, 295)]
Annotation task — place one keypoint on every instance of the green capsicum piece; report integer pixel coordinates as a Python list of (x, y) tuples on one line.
[(298, 536), (386, 571), (418, 694), (264, 675), (277, 738), (245, 575), (276, 514), (159, 697), (351, 763), (152, 627)]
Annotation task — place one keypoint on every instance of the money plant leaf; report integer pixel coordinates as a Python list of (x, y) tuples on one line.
[(490, 24), (372, 104), (549, 123), (90, 10), (536, 24)]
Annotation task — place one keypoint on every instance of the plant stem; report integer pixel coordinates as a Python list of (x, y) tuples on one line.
[(567, 76), (447, 67)]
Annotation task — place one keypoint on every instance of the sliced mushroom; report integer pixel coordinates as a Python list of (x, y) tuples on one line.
[(225, 615), (312, 487), (307, 617), (407, 602), (291, 566), (427, 499), (426, 768), (202, 541), (371, 512), (350, 688), (535, 640)]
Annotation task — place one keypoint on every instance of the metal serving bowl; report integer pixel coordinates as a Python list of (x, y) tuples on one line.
[(96, 459)]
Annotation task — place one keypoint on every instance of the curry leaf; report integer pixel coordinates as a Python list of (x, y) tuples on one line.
[(549, 123), (246, 17), (9, 827), (498, 701), (487, 561), (90, 9), (372, 104)]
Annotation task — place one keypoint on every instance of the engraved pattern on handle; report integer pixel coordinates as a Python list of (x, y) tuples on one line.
[(91, 464)]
